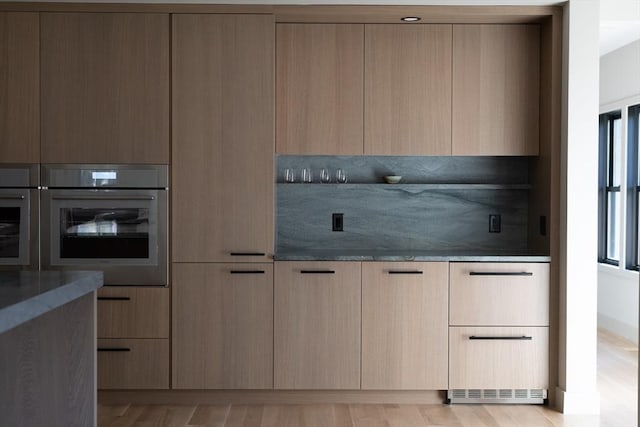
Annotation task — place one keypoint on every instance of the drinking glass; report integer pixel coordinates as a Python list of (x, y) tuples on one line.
[(341, 176), (289, 175), (325, 177), (306, 175)]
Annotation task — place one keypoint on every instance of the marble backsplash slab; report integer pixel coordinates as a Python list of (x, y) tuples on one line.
[(399, 217), (423, 213)]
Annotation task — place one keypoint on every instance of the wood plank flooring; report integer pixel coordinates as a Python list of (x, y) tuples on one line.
[(617, 381)]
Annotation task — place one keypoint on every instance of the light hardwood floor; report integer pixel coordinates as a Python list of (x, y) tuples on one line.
[(617, 380)]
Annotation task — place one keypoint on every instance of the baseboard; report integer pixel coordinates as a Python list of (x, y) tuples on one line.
[(577, 402), (619, 328), (213, 397)]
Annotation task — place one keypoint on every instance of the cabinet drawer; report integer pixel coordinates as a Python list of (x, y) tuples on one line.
[(133, 312), (499, 294), (500, 358), (133, 363)]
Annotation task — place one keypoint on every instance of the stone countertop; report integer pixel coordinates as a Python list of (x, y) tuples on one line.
[(25, 295), (308, 255)]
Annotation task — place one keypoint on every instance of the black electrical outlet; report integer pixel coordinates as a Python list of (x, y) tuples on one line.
[(543, 225), (337, 222), (494, 223)]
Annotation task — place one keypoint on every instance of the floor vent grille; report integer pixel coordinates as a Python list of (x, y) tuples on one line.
[(515, 396)]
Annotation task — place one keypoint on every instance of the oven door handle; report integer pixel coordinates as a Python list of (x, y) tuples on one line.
[(11, 197), (103, 198)]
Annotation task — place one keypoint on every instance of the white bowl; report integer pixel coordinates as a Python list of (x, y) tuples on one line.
[(392, 179)]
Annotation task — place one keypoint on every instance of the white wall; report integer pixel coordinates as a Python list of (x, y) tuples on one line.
[(577, 391), (618, 288)]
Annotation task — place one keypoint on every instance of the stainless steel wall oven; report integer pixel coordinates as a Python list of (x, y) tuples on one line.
[(19, 209), (107, 217)]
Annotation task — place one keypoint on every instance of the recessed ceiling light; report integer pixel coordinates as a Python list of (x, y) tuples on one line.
[(410, 19)]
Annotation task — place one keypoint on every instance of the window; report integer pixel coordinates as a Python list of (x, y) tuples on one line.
[(633, 189), (609, 198)]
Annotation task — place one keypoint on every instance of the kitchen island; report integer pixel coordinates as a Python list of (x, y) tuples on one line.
[(48, 348)]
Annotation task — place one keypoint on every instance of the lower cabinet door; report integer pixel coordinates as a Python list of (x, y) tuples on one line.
[(404, 325), (317, 325), (499, 357), (222, 326), (133, 363)]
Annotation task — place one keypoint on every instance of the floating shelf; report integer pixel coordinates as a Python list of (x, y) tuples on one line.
[(414, 187)]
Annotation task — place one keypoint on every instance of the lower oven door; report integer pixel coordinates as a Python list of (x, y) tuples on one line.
[(120, 232), (18, 229)]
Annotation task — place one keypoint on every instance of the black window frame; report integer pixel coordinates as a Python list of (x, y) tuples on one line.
[(605, 181), (633, 187)]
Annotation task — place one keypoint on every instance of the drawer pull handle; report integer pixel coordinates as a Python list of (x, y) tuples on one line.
[(317, 272), (12, 197), (246, 272), (247, 254), (114, 298), (114, 349), (405, 272), (500, 273), (522, 338)]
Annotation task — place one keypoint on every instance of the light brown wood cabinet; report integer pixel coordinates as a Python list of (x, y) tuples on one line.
[(499, 294), (19, 87), (317, 308), (319, 89), (499, 325), (496, 90), (105, 87), (133, 337), (133, 363), (407, 90), (499, 357), (222, 326), (133, 312), (223, 138), (404, 325)]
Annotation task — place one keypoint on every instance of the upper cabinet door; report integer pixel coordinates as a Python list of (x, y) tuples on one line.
[(223, 140), (19, 88), (105, 88), (407, 89), (319, 89), (496, 90)]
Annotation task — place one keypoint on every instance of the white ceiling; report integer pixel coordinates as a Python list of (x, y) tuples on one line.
[(619, 19)]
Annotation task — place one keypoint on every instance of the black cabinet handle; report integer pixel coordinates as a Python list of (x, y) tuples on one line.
[(317, 272), (246, 272), (247, 254), (405, 272), (113, 349), (114, 298), (500, 273), (522, 338)]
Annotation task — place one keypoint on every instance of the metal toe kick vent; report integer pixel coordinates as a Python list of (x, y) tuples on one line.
[(515, 396)]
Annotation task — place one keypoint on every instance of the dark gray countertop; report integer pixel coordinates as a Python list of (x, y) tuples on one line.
[(363, 255), (25, 295)]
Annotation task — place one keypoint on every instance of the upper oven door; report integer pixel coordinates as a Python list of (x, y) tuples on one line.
[(15, 227), (122, 232)]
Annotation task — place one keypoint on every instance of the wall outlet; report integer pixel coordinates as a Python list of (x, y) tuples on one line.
[(494, 223), (337, 222)]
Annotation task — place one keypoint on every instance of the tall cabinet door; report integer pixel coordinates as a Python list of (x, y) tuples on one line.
[(319, 88), (19, 88), (105, 87), (222, 326), (407, 89), (317, 308), (496, 90), (223, 144), (404, 325)]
